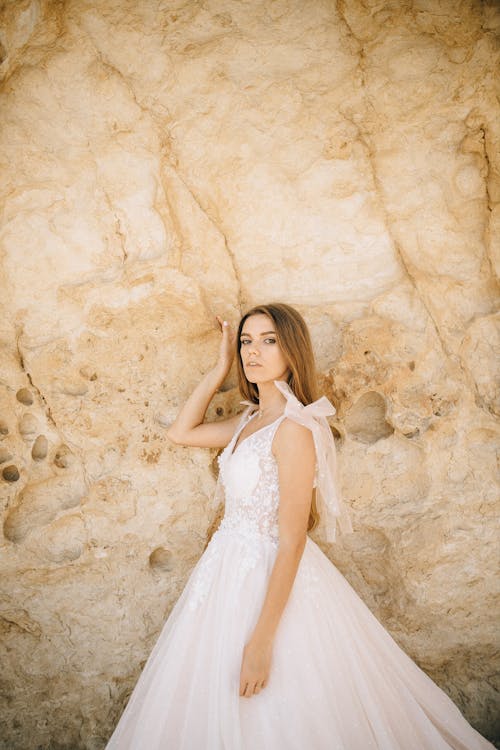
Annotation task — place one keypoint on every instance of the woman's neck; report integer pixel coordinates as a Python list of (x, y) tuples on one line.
[(271, 401)]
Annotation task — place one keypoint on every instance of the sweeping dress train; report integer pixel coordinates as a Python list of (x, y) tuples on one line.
[(338, 680)]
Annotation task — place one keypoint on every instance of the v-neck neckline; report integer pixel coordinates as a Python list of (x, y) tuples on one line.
[(237, 445)]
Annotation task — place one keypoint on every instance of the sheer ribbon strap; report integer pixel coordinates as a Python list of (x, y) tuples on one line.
[(331, 508)]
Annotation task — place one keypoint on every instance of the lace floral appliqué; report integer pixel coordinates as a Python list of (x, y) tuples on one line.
[(251, 487)]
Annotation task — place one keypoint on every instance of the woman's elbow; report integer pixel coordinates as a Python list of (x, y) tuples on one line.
[(174, 437)]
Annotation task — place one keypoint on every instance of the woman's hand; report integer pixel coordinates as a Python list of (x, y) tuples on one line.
[(255, 667), (227, 347)]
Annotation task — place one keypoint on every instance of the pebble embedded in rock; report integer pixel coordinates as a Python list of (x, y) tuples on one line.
[(88, 373), (63, 458), (24, 396), (28, 424), (10, 473), (40, 448), (74, 388), (4, 430)]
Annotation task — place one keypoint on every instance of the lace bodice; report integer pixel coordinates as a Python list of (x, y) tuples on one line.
[(249, 476)]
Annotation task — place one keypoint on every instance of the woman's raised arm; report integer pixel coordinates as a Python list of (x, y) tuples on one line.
[(188, 427)]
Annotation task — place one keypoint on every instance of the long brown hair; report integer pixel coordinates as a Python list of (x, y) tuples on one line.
[(294, 340)]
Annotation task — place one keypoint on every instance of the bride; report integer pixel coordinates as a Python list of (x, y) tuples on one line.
[(269, 647)]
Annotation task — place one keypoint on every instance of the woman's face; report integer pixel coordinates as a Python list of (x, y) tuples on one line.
[(261, 355)]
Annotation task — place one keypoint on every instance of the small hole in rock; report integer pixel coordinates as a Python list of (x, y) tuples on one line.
[(366, 419), (161, 559), (10, 473)]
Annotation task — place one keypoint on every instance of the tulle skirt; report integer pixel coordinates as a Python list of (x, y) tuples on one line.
[(338, 679)]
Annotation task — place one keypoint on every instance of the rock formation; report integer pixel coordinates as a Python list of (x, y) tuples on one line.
[(163, 162)]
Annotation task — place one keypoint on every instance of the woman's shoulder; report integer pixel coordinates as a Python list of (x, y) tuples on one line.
[(292, 433)]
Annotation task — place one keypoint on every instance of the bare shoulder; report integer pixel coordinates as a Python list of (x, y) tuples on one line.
[(291, 435)]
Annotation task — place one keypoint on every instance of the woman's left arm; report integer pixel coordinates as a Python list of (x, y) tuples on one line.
[(293, 447)]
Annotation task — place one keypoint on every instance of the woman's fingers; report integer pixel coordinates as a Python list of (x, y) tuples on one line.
[(251, 688), (226, 347), (245, 690), (223, 324), (255, 666)]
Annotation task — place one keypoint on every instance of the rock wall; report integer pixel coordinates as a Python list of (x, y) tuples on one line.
[(166, 161)]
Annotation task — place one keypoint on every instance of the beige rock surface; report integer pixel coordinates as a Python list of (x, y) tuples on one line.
[(164, 162)]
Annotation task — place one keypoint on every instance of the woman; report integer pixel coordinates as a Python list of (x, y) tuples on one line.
[(268, 646)]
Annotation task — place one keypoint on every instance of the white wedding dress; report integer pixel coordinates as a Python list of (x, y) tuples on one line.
[(338, 680)]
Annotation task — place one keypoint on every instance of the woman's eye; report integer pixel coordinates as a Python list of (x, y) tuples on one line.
[(244, 342)]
